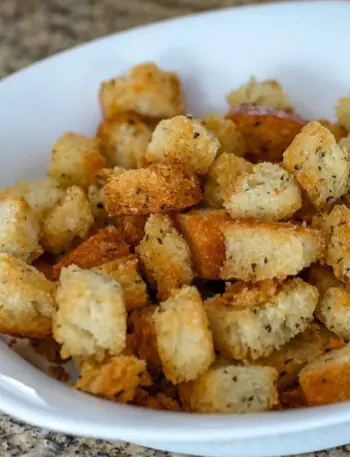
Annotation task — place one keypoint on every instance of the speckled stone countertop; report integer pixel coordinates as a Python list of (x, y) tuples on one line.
[(29, 31)]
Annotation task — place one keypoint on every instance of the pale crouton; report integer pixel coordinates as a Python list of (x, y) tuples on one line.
[(124, 139), (165, 256), (185, 141), (202, 231), (327, 378), (146, 90), (70, 219), (184, 340), (261, 250), (144, 331), (116, 380), (343, 112), (231, 389), (159, 188), (222, 176), (320, 166), (27, 299), (19, 229), (268, 192), (75, 160), (90, 320), (252, 330), (133, 228), (231, 140)]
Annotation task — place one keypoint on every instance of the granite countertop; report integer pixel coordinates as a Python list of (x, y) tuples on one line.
[(31, 30)]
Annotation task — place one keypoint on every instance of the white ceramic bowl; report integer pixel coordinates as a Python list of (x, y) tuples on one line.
[(305, 46)]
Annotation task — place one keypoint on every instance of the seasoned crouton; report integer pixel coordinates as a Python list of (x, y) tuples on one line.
[(253, 330), (106, 245), (185, 141), (165, 255), (337, 130), (19, 229), (116, 379), (90, 320), (201, 230), (96, 200), (343, 112), (327, 378), (222, 176), (159, 188), (146, 90), (231, 389), (184, 340), (144, 330), (322, 277), (261, 250), (268, 192), (226, 132), (133, 228), (27, 299), (320, 166), (267, 132), (71, 218), (124, 139)]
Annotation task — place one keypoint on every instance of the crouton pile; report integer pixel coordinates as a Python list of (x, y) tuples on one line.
[(188, 264)]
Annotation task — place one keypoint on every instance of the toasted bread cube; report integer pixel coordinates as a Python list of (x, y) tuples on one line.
[(96, 200), (184, 340), (133, 228), (202, 231), (343, 112), (225, 130), (144, 330), (159, 188), (75, 159), (322, 277), (165, 256), (116, 379), (147, 90), (27, 299), (268, 193), (231, 389), (222, 176), (327, 378), (124, 139), (244, 329), (262, 250), (71, 218), (320, 166), (90, 320), (337, 130)]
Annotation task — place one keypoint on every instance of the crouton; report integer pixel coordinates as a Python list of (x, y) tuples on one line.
[(159, 401), (165, 256), (159, 188), (117, 379), (231, 389), (90, 320), (185, 141), (252, 330), (201, 230), (343, 112), (337, 130), (261, 250), (320, 166), (133, 228), (184, 340), (268, 192), (144, 330), (267, 132), (106, 245), (231, 140), (222, 176), (96, 200), (27, 299), (71, 218), (75, 160), (146, 90), (19, 229), (124, 139), (327, 378), (322, 277), (293, 398)]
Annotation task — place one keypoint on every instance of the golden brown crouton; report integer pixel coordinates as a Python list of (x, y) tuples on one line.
[(322, 277), (320, 166), (262, 250), (267, 192), (146, 90), (75, 160), (159, 188), (201, 230), (184, 141), (27, 299), (184, 340), (327, 378), (90, 320), (343, 112), (231, 389), (133, 228), (226, 132), (337, 130), (165, 256)]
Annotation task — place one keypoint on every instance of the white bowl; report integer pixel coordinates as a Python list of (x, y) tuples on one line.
[(305, 46)]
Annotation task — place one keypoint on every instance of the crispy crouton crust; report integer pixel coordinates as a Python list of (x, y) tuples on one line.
[(226, 132), (133, 228), (144, 330)]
